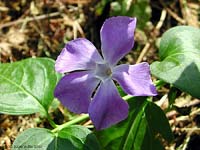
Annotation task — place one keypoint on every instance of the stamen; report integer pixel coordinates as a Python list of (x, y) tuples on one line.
[(103, 71), (108, 72)]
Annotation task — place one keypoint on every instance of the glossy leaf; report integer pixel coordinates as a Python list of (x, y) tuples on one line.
[(27, 86), (140, 130), (157, 121), (180, 59), (70, 138), (38, 138)]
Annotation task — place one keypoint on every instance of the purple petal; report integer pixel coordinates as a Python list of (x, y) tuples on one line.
[(135, 79), (107, 107), (75, 89), (117, 38), (79, 54)]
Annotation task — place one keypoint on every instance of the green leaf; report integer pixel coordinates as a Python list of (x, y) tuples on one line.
[(38, 138), (140, 130), (27, 86), (121, 91), (136, 129), (70, 138), (88, 140), (180, 59), (172, 96), (157, 121)]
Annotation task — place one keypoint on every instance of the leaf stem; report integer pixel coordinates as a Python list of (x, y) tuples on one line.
[(76, 120), (127, 97)]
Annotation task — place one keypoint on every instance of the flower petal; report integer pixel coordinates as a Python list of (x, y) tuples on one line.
[(107, 107), (79, 54), (135, 79), (75, 89), (117, 38)]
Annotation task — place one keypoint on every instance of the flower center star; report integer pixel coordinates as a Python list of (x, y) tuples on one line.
[(103, 71)]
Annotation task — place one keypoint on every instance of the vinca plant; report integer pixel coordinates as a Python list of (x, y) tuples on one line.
[(117, 98)]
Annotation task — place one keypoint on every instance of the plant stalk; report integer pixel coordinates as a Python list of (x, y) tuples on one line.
[(74, 121), (79, 119)]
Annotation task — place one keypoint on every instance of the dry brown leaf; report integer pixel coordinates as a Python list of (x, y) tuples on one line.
[(16, 37), (5, 48)]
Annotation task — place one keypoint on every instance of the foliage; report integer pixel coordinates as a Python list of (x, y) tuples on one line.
[(140, 130), (27, 86), (73, 137), (180, 59)]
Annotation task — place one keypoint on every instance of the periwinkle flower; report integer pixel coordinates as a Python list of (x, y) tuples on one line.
[(89, 87)]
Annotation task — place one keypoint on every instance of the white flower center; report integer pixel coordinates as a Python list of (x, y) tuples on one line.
[(103, 71)]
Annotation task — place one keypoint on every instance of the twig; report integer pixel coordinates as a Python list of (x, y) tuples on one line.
[(162, 19), (188, 129), (174, 113), (75, 25), (162, 100), (189, 14), (79, 28), (148, 44), (8, 143), (3, 8), (171, 13), (42, 36), (183, 118), (175, 16), (78, 1), (89, 122), (185, 142), (28, 19), (144, 51)]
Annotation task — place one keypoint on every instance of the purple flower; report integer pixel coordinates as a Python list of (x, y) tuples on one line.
[(91, 89)]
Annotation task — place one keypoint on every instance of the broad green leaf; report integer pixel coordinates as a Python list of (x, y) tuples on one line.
[(157, 121), (87, 138), (140, 130), (35, 138), (180, 59), (27, 86), (134, 137), (70, 138)]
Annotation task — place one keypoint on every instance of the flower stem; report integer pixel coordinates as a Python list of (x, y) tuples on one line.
[(127, 97), (79, 119), (74, 121)]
